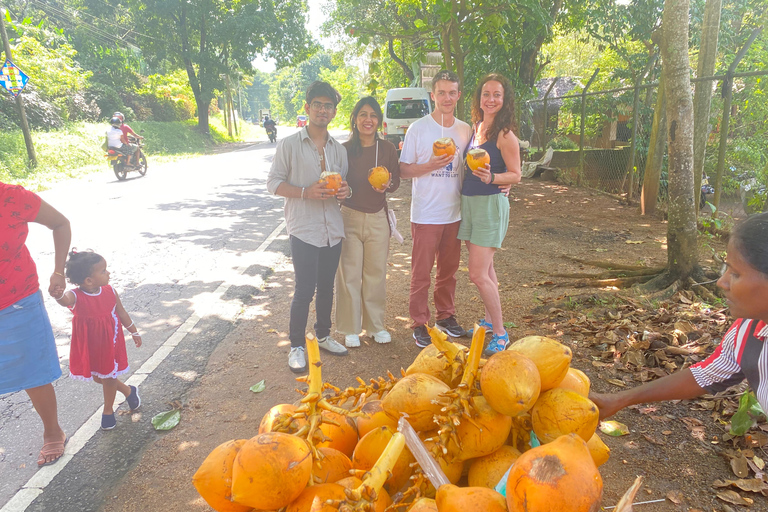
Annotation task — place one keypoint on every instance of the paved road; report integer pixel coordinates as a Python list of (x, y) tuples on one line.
[(182, 246)]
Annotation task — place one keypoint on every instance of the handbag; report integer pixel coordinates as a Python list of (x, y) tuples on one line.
[(393, 232)]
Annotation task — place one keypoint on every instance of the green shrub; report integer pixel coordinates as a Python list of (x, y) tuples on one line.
[(106, 98), (562, 142)]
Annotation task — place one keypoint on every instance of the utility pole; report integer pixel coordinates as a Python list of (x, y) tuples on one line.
[(19, 99)]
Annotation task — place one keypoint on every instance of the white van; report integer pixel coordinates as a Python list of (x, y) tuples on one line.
[(401, 108)]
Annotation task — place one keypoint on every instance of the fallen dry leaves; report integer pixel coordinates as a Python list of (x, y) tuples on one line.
[(630, 342)]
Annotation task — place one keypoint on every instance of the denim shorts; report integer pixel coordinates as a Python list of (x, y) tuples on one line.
[(28, 356), (484, 220)]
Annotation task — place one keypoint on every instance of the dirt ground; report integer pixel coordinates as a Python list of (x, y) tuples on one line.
[(548, 221)]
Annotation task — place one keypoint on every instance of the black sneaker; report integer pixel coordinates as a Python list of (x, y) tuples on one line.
[(451, 327), (421, 335), (134, 400), (108, 421)]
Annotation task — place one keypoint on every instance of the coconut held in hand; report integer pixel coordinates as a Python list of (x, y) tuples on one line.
[(444, 146), (378, 177), (332, 181), (477, 158)]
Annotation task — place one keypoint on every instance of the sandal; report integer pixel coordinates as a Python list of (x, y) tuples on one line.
[(53, 448)]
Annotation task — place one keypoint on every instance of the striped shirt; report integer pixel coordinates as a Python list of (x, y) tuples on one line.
[(741, 355)]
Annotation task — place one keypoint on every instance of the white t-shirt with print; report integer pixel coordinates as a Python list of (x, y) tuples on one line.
[(435, 196)]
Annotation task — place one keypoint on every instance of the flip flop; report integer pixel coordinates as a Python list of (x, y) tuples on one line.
[(52, 448)]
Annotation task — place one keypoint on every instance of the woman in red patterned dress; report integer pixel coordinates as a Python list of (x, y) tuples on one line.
[(97, 351), (28, 357)]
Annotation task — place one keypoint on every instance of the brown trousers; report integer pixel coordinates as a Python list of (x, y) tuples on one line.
[(434, 242)]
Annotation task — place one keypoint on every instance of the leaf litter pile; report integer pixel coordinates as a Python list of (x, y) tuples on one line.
[(630, 341)]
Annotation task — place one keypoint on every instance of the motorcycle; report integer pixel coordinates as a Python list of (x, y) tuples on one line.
[(706, 188), (272, 133), (119, 161)]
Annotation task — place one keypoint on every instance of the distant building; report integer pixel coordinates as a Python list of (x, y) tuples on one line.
[(433, 63)]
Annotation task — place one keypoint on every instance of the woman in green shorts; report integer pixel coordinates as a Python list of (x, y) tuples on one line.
[(484, 203)]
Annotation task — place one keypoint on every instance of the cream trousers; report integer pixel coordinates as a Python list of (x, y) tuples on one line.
[(361, 281)]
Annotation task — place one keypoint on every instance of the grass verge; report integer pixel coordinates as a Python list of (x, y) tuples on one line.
[(75, 150)]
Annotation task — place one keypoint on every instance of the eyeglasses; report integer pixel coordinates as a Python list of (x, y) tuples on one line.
[(316, 105)]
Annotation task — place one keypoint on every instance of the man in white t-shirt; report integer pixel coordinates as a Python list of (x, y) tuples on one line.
[(435, 208)]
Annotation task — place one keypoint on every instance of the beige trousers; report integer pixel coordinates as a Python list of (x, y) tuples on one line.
[(361, 281)]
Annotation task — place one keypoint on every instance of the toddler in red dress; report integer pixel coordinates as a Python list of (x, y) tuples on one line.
[(97, 351)]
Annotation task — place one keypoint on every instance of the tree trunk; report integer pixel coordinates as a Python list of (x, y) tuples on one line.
[(446, 46), (400, 62), (458, 59), (682, 256), (528, 70), (202, 114), (194, 83), (228, 106), (202, 73), (703, 96), (225, 111), (655, 158)]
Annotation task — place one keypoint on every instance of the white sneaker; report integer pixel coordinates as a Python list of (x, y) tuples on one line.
[(297, 360), (352, 340), (382, 337), (331, 345)]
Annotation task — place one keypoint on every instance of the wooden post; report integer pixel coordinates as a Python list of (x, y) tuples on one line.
[(545, 139), (19, 100), (231, 107), (658, 141), (727, 96), (583, 127)]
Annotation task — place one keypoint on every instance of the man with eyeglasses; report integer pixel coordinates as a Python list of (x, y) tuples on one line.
[(435, 208), (313, 218)]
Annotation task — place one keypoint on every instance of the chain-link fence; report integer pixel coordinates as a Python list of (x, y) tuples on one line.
[(602, 139)]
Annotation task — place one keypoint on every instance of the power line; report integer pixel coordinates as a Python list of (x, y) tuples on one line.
[(100, 33), (130, 30), (103, 36)]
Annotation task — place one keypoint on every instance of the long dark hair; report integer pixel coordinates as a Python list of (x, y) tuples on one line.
[(505, 118), (750, 237), (355, 147)]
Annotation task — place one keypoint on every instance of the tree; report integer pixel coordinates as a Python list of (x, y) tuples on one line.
[(470, 34), (682, 254), (209, 39), (256, 95), (346, 80), (702, 99), (288, 85)]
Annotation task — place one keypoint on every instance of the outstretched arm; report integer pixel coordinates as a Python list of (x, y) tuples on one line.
[(49, 217), (678, 386)]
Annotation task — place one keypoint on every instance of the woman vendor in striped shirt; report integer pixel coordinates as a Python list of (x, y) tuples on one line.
[(742, 354)]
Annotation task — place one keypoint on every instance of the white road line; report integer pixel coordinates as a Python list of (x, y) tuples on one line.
[(37, 484)]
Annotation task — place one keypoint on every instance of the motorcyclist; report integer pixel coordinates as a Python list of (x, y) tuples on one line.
[(269, 124), (115, 136), (128, 130)]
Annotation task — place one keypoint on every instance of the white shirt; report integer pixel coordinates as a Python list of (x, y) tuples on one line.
[(435, 196), (113, 137)]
